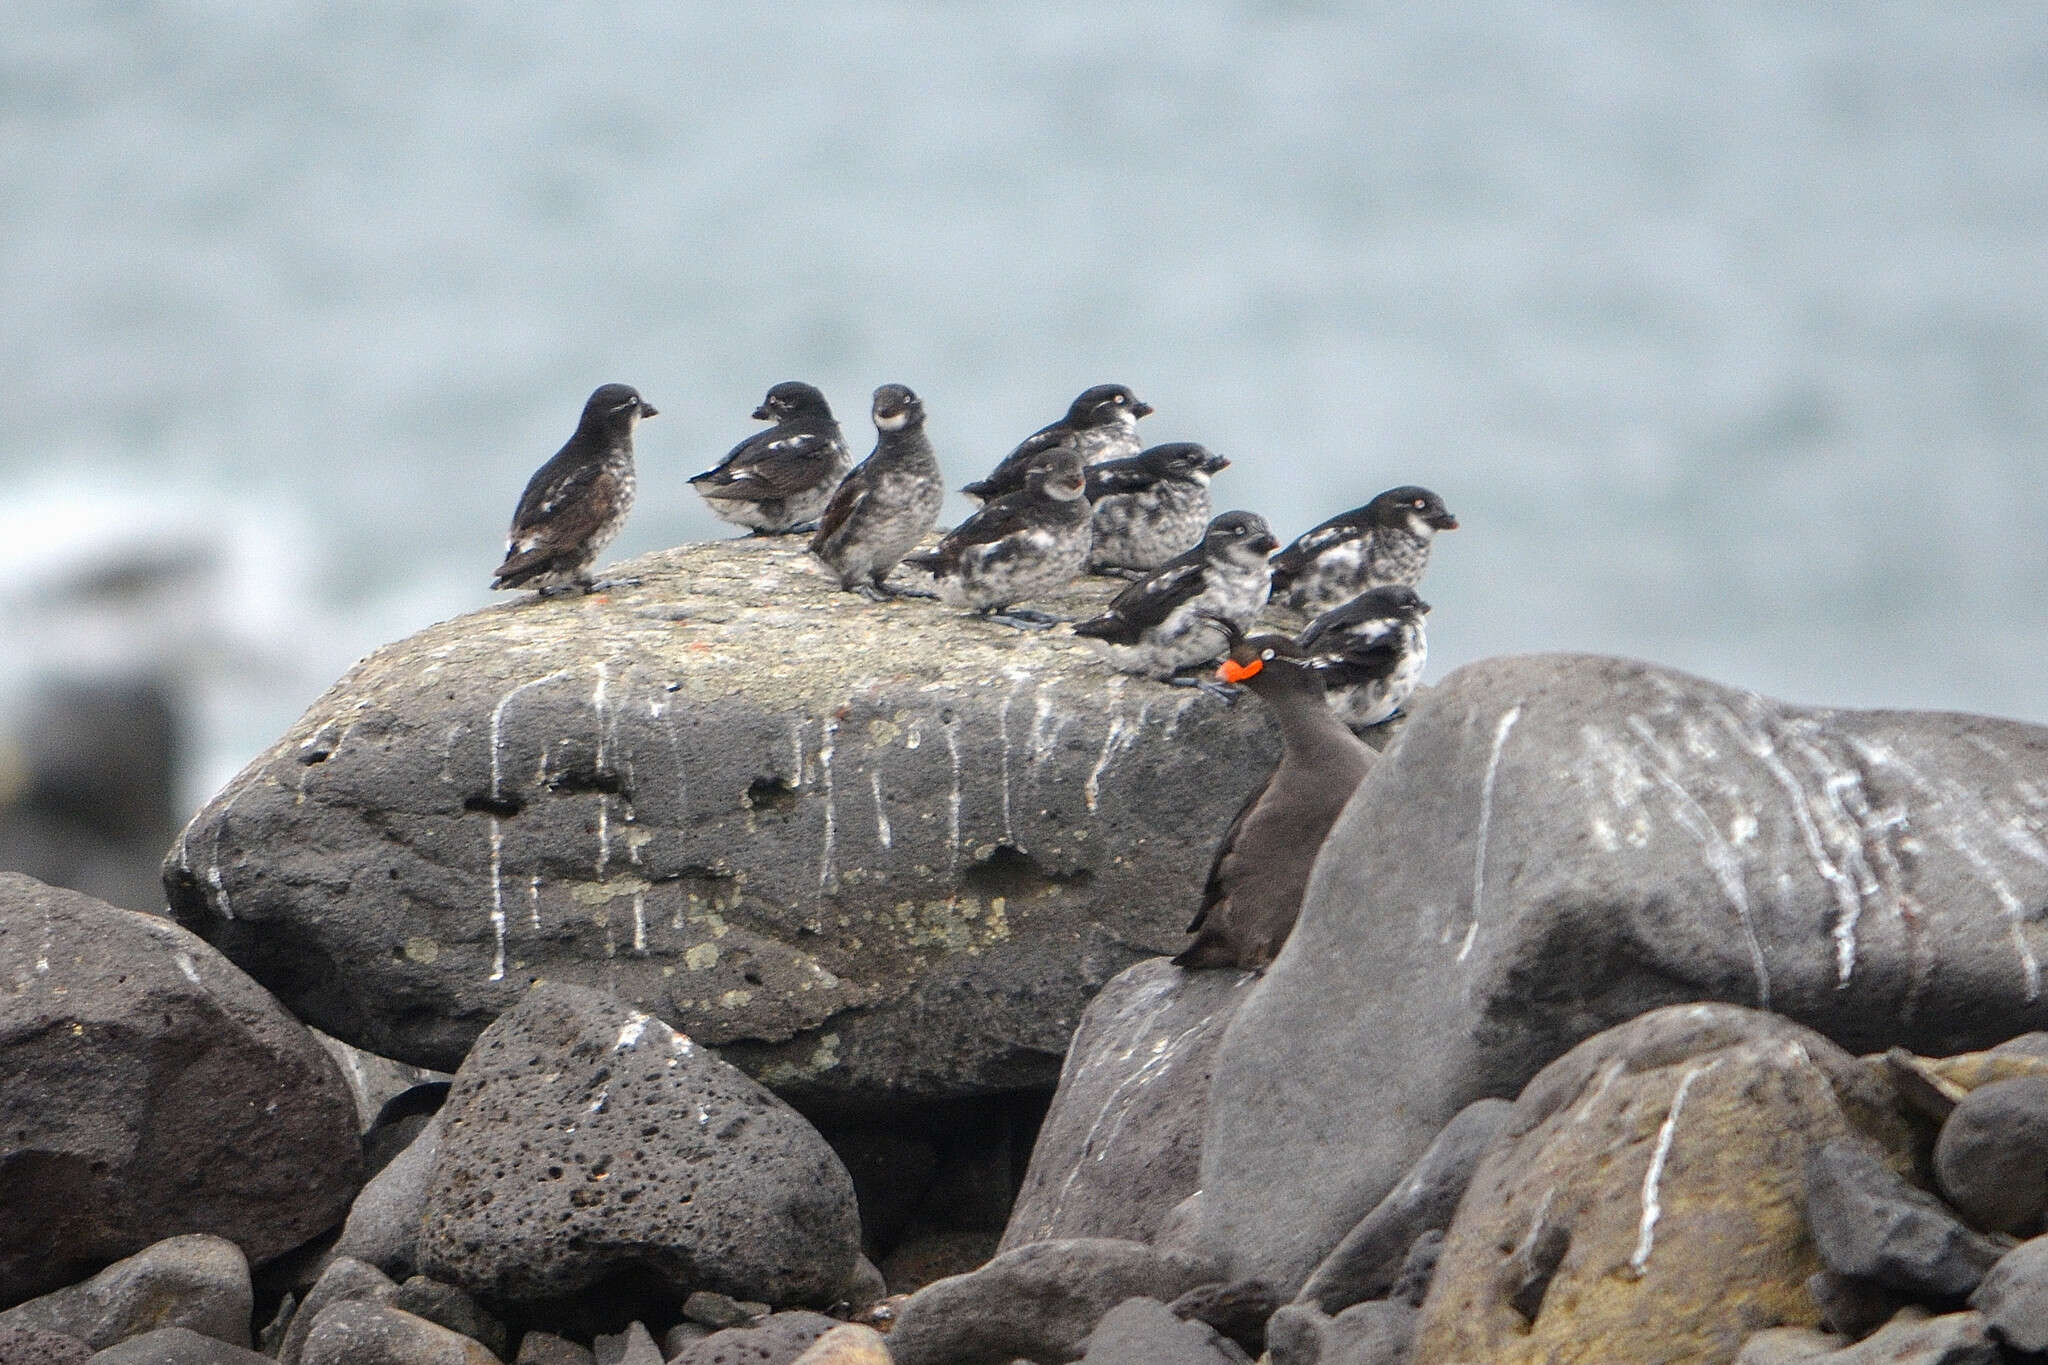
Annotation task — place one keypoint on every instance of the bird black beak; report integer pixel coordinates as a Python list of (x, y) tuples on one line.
[(761, 414), (1422, 607), (1265, 545), (1140, 408), (1444, 521), (647, 410), (1217, 464)]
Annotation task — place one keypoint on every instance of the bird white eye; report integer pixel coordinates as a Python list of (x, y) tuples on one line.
[(1265, 654), (1419, 504)]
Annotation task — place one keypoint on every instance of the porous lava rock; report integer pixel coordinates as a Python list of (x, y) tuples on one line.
[(858, 847), (585, 1141), (149, 1088), (1558, 843)]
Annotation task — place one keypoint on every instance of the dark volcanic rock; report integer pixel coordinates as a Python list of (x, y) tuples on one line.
[(1992, 1157), (1146, 1332), (1559, 843), (1038, 1301), (851, 845), (545, 1348), (1369, 1260), (383, 1226), (35, 1346), (148, 1088), (774, 1340), (345, 1278), (177, 1346), (361, 1332), (199, 1281), (584, 1140), (1871, 1224), (1377, 1332), (2014, 1297), (1122, 1142)]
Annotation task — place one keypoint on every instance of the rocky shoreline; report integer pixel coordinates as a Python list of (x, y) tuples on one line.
[(725, 971)]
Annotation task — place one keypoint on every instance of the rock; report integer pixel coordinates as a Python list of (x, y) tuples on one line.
[(847, 1344), (344, 1279), (1787, 1345), (1378, 1332), (1369, 1259), (89, 795), (1239, 1311), (373, 1080), (457, 1311), (199, 1281), (36, 1346), (865, 1286), (584, 1140), (1604, 1223), (177, 1346), (774, 1340), (634, 1346), (1910, 1339), (1121, 1144), (1038, 1301), (383, 1226), (1991, 1160), (858, 848), (1144, 1331), (1869, 1223), (1556, 844), (681, 1337), (934, 1256), (545, 1348), (147, 1089), (360, 1332), (1411, 1286), (2013, 1297), (1850, 1307), (717, 1311)]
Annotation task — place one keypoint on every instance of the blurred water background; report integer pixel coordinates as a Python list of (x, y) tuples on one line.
[(1721, 328)]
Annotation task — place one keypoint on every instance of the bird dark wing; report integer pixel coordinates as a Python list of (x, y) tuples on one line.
[(557, 520), (1008, 476), (1147, 602), (852, 489), (772, 464), (1224, 864), (1360, 661), (1292, 560), (1118, 476), (556, 485), (987, 526), (1346, 626)]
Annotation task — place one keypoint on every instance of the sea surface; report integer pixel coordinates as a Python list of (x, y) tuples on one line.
[(1722, 329)]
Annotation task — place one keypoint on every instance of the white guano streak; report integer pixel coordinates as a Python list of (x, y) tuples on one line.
[(827, 746), (1652, 1210), (953, 802), (1500, 741), (882, 836)]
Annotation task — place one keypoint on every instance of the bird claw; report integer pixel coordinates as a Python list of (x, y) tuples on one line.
[(1025, 618), (1111, 571), (809, 528), (1022, 620), (1223, 692), (608, 584), (926, 594)]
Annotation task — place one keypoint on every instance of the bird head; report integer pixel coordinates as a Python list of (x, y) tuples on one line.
[(1104, 405), (1239, 534), (896, 407), (1420, 510), (792, 398), (1057, 473)]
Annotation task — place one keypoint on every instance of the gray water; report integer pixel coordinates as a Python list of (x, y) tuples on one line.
[(1721, 328)]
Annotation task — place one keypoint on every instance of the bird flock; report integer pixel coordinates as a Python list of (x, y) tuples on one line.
[(1079, 496)]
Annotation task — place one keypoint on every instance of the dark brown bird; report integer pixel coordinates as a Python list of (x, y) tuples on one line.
[(1261, 869), (575, 503)]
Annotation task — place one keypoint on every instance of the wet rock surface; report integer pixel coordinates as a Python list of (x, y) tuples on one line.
[(1557, 843), (853, 845), (584, 1140), (148, 1088)]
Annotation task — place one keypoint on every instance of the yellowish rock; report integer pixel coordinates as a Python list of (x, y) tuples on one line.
[(1644, 1202), (850, 1344)]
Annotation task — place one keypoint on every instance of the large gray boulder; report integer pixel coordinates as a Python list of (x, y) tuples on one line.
[(1558, 843), (585, 1141), (849, 844), (148, 1088), (1121, 1144)]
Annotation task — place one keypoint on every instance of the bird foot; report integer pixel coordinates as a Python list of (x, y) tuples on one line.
[(1223, 692), (1111, 571), (1022, 620), (809, 528), (928, 596), (562, 590), (1023, 617), (608, 584)]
